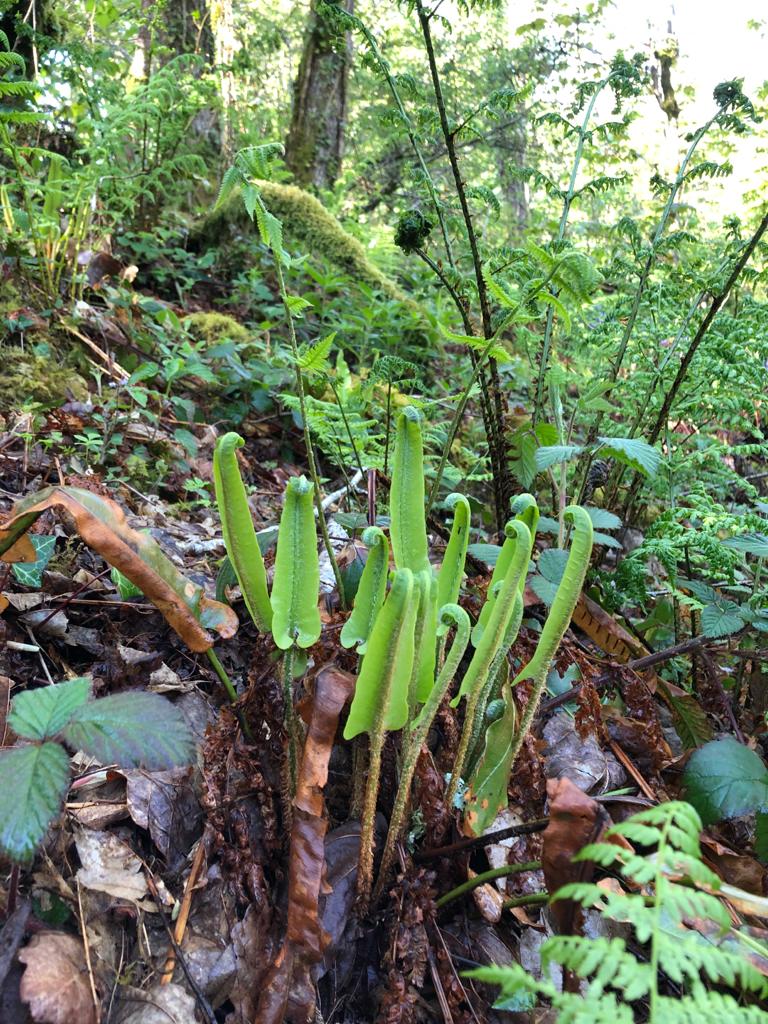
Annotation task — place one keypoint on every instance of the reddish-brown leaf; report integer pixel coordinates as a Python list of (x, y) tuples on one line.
[(22, 550), (575, 819), (289, 993), (55, 983), (102, 524)]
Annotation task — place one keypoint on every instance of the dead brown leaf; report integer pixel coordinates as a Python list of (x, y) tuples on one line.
[(575, 819), (109, 865), (55, 982), (22, 550), (102, 525), (290, 993)]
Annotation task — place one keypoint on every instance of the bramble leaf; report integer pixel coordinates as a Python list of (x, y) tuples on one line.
[(133, 729), (33, 783), (724, 779), (42, 713)]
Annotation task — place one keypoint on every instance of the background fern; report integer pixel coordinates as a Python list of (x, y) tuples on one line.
[(666, 974)]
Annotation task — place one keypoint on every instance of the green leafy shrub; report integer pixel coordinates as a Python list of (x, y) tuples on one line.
[(132, 729)]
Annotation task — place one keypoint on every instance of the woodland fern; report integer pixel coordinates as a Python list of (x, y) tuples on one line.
[(670, 964)]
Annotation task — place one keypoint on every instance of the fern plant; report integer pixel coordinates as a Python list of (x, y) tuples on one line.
[(685, 951), (401, 634)]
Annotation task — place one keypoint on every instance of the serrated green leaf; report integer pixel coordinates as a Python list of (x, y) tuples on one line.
[(750, 543), (42, 713), (296, 584), (133, 729), (552, 563), (553, 454), (633, 452), (602, 519), (724, 779), (701, 591), (33, 783), (689, 719), (721, 618), (488, 553)]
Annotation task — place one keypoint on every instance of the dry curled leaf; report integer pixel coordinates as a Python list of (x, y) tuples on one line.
[(575, 819), (102, 525), (55, 982), (289, 993)]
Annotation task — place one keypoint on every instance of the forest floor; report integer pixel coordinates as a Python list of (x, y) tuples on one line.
[(174, 885)]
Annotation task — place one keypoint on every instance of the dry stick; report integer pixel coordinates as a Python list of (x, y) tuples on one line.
[(186, 905), (498, 425), (464, 845), (203, 1004), (704, 326), (636, 665)]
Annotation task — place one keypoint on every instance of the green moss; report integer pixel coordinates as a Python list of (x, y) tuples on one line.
[(308, 223), (213, 328), (40, 379)]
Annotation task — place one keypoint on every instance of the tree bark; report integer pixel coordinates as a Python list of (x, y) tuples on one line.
[(315, 142)]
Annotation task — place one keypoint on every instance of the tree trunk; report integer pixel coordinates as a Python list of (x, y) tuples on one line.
[(225, 45), (315, 142)]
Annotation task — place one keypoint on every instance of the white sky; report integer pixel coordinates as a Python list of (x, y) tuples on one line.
[(716, 44)]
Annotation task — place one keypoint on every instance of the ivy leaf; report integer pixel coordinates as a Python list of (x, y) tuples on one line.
[(552, 454), (31, 573), (133, 729), (724, 779), (633, 452), (125, 588), (42, 713), (721, 618), (33, 783)]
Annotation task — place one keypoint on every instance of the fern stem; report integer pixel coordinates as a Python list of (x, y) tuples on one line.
[(567, 201), (226, 682), (291, 724), (415, 741), (367, 828), (486, 876), (311, 461)]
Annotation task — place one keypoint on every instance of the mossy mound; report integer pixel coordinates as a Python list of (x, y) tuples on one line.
[(31, 378), (213, 328), (307, 222)]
